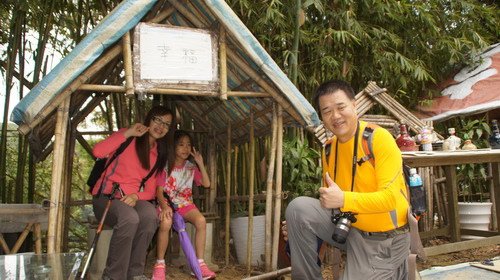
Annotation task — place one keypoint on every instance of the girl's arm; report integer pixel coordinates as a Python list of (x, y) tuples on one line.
[(205, 180), (160, 182)]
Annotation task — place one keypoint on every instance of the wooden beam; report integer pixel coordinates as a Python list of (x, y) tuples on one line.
[(452, 194), (459, 246)]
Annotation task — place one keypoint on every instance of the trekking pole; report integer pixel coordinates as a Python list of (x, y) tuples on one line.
[(116, 186)]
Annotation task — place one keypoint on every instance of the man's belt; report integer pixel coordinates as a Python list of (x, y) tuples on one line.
[(388, 234)]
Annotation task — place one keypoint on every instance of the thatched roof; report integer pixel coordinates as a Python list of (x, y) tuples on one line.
[(94, 69)]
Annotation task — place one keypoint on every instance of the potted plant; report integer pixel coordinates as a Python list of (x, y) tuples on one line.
[(239, 231), (474, 206)]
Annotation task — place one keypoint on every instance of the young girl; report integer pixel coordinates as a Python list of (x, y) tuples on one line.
[(178, 186)]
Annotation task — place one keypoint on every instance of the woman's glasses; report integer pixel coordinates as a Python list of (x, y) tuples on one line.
[(159, 121)]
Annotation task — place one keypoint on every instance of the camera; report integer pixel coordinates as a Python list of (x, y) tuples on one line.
[(342, 221)]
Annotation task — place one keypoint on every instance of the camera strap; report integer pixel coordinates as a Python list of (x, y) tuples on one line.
[(354, 158)]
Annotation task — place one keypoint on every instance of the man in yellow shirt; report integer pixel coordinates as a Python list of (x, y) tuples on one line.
[(377, 242)]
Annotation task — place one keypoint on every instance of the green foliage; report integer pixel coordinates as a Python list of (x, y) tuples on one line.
[(301, 169), (407, 46)]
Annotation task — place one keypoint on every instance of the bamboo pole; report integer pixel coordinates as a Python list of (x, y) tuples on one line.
[(223, 63), (174, 91), (37, 233), (251, 194), (444, 197), (271, 275), (228, 191), (278, 199), (430, 201), (21, 238), (127, 65), (244, 169), (4, 245), (235, 169), (66, 193), (269, 190), (212, 152), (57, 170)]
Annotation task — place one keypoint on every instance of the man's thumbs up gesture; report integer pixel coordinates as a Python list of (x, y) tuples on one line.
[(331, 196)]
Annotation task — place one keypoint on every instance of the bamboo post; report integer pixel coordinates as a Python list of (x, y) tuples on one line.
[(64, 218), (53, 231), (37, 232), (279, 180), (451, 187), (127, 65), (430, 200), (228, 191), (21, 238), (251, 194), (435, 190), (4, 245), (212, 152), (269, 191), (244, 170), (271, 275), (235, 169), (223, 63), (444, 197)]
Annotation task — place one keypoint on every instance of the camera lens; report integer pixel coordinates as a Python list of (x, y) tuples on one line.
[(341, 230)]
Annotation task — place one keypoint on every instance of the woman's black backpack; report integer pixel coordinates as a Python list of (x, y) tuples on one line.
[(102, 164)]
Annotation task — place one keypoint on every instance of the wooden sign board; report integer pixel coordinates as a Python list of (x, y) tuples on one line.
[(174, 57)]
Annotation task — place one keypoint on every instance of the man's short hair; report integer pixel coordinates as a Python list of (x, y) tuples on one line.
[(330, 87)]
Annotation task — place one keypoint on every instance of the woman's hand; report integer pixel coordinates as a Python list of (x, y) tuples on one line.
[(136, 130), (130, 199)]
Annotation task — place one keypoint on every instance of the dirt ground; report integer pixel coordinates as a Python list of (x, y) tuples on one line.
[(234, 271)]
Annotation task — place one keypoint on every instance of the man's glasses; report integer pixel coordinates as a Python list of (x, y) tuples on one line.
[(159, 121)]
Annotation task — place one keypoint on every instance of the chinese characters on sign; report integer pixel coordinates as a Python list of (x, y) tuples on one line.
[(172, 54)]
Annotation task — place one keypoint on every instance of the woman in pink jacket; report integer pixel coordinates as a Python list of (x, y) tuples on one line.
[(132, 215)]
